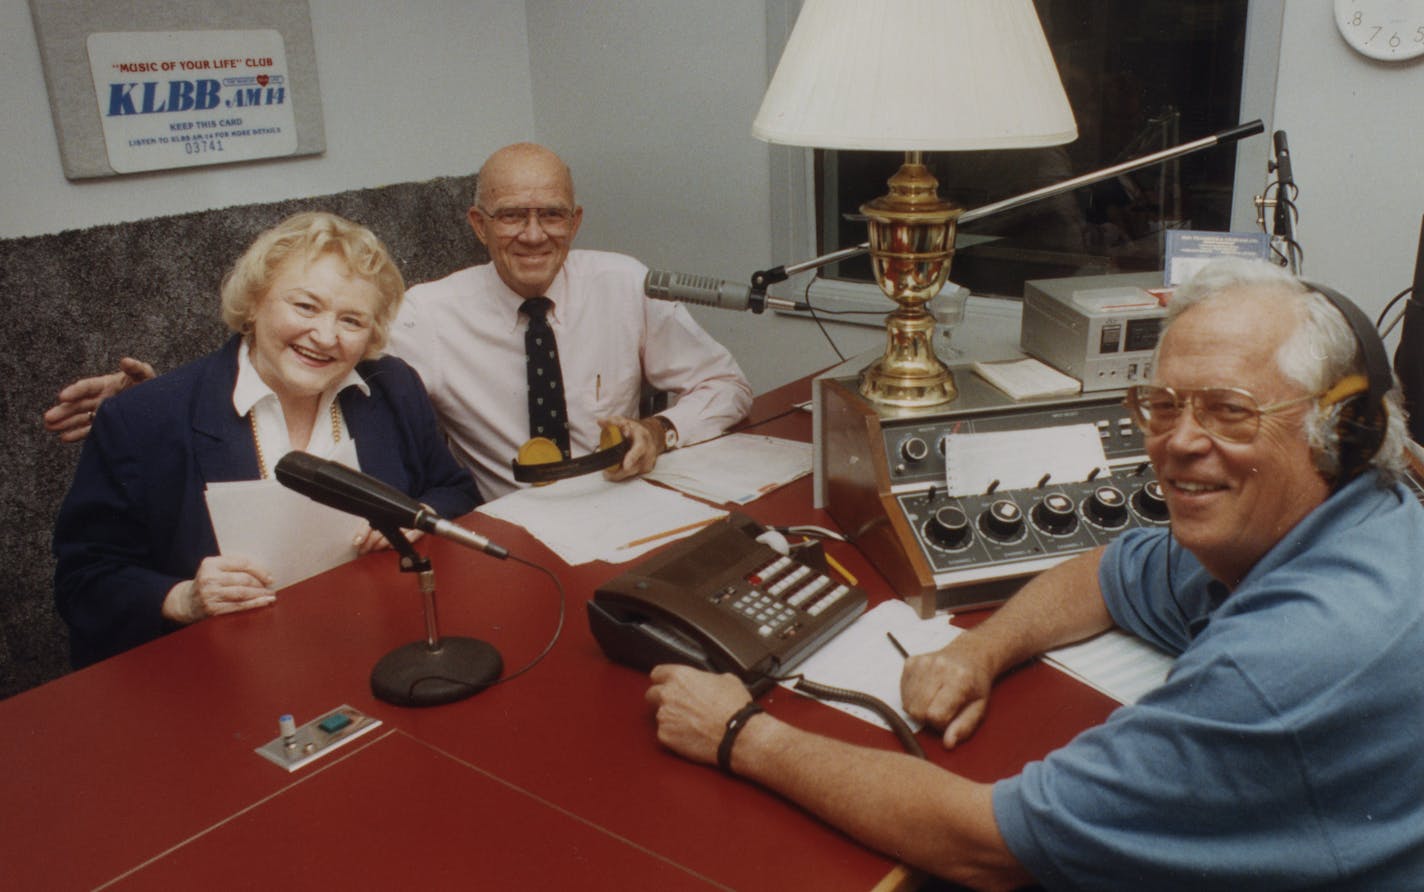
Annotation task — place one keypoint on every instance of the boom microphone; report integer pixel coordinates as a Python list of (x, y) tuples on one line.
[(346, 489), (709, 292)]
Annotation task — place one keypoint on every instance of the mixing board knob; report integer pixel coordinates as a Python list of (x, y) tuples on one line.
[(1150, 501), (914, 449), (1055, 514), (1003, 520), (1107, 507), (948, 528)]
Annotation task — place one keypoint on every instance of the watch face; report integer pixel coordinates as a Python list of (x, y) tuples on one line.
[(1388, 30)]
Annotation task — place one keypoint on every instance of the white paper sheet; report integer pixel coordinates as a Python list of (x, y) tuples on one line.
[(589, 518), (285, 532), (736, 468), (1118, 664), (862, 658), (1019, 459)]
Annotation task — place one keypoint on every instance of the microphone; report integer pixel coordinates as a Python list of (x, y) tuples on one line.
[(1281, 226), (345, 489), (709, 292), (1283, 162)]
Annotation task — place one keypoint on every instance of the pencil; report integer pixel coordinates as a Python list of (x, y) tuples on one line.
[(673, 532), (836, 565), (904, 654)]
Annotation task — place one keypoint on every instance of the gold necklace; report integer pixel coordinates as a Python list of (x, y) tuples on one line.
[(257, 440)]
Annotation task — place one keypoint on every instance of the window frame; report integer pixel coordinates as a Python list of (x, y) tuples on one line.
[(793, 178)]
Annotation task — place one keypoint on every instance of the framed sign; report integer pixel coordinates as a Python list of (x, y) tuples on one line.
[(155, 85)]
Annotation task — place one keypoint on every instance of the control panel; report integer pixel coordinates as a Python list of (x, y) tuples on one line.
[(968, 539), (884, 481)]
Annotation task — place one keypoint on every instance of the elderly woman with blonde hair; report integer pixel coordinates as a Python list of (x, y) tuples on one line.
[(311, 301)]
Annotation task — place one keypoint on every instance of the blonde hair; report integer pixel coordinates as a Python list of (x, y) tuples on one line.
[(307, 236)]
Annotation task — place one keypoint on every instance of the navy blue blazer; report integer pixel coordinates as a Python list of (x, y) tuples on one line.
[(135, 522)]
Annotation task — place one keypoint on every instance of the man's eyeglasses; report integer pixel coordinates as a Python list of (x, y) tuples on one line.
[(1227, 413), (553, 220)]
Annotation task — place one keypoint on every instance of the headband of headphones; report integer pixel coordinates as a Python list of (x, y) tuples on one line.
[(541, 461)]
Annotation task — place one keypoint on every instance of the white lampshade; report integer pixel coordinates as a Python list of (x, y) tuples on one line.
[(916, 75)]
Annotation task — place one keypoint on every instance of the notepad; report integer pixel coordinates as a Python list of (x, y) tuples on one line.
[(975, 463), (1025, 379)]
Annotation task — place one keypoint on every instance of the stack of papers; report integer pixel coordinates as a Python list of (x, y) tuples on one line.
[(1025, 379), (590, 518), (736, 468)]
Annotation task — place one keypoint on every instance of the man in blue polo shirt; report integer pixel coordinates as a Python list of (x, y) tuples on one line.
[(1282, 751)]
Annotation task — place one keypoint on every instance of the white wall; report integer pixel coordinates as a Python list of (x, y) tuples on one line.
[(410, 91), (1356, 130), (651, 103)]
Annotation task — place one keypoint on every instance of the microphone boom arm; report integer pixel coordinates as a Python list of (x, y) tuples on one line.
[(767, 277)]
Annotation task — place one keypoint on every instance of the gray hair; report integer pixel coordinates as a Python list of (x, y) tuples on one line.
[(1319, 353)]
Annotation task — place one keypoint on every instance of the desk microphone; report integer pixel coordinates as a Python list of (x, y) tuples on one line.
[(709, 292), (345, 489), (439, 669)]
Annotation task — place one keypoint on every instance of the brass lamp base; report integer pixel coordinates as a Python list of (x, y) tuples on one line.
[(911, 246), (908, 374)]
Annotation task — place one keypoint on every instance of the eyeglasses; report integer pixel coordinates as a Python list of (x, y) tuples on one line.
[(553, 220), (1227, 413)]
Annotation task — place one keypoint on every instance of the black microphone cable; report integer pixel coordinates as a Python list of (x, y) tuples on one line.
[(538, 658)]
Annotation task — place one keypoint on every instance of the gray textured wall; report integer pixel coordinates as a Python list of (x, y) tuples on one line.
[(74, 302)]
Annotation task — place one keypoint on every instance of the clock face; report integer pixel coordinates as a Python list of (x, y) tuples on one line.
[(1389, 30)]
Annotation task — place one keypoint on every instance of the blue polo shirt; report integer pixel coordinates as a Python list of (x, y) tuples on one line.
[(1286, 748)]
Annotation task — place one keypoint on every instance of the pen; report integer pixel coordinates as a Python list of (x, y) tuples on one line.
[(836, 565), (904, 654), (597, 386), (665, 533)]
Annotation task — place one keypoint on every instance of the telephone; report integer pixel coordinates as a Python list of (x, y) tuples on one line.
[(724, 602)]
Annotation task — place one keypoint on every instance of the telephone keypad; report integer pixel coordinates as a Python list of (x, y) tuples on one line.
[(781, 591)]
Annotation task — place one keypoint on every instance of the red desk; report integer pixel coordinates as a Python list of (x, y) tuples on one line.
[(139, 772)]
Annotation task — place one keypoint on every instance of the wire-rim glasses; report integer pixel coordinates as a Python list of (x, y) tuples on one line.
[(1227, 413), (553, 220)]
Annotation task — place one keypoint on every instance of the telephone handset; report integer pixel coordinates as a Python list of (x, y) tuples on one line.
[(724, 602)]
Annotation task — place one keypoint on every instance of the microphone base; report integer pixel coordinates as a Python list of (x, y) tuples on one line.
[(418, 675)]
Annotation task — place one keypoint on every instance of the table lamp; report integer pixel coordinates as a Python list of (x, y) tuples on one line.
[(914, 76)]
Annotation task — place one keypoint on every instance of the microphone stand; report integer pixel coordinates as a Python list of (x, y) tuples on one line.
[(436, 670)]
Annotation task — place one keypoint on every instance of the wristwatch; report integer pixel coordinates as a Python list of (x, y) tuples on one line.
[(669, 432)]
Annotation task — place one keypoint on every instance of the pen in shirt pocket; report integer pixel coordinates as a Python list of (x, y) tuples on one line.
[(598, 387)]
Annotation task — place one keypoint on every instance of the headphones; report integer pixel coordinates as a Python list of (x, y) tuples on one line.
[(1363, 420), (541, 461)]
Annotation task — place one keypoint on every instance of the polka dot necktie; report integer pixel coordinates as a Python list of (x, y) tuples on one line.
[(548, 416)]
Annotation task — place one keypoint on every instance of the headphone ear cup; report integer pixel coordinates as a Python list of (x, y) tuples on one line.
[(1362, 421), (1359, 435)]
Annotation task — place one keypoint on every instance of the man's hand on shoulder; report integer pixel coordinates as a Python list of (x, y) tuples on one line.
[(646, 441), (72, 414)]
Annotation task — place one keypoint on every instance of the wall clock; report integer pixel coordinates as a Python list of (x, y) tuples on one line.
[(1387, 30)]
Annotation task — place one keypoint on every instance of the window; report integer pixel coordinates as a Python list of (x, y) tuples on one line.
[(1141, 75)]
